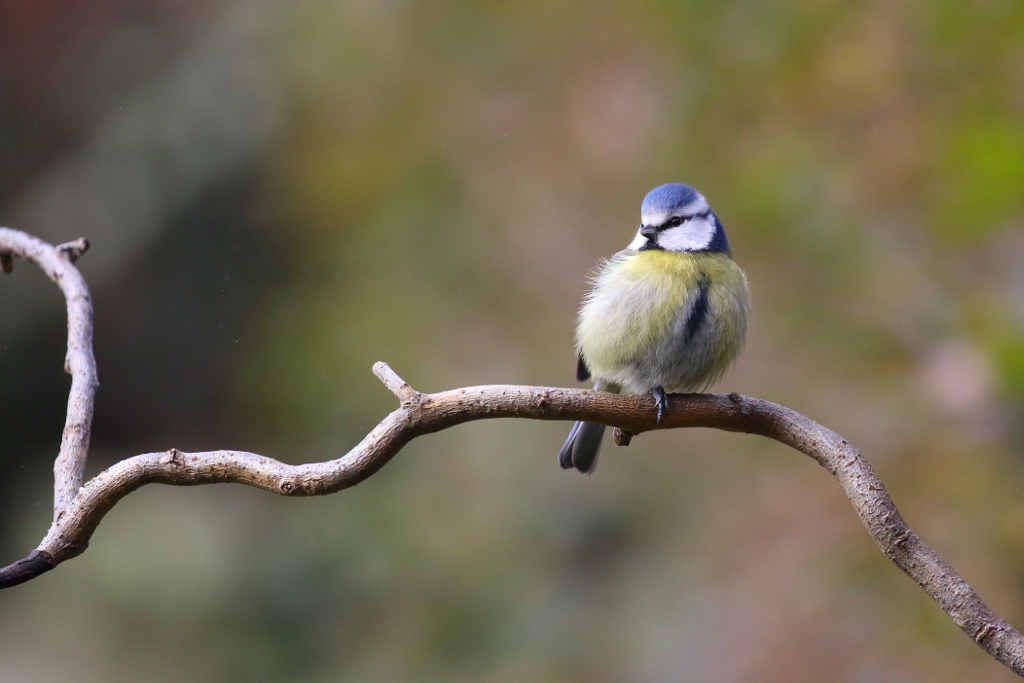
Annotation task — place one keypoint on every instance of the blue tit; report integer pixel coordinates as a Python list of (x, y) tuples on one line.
[(666, 314)]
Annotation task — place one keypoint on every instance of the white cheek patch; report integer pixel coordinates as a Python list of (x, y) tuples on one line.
[(693, 235), (637, 242)]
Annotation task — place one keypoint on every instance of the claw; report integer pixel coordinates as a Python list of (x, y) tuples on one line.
[(660, 402)]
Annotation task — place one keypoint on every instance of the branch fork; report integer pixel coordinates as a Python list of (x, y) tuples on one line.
[(406, 395), (79, 508)]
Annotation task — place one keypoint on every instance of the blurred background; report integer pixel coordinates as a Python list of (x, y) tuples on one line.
[(279, 194)]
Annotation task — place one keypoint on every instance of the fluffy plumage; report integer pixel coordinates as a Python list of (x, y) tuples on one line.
[(666, 314)]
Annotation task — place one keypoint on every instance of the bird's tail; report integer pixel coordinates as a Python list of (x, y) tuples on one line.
[(584, 442), (582, 447)]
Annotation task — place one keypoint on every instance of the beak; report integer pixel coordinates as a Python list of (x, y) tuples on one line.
[(648, 231)]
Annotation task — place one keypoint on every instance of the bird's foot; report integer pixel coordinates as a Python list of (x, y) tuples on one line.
[(660, 402)]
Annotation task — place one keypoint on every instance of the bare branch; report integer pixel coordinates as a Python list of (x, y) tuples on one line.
[(78, 511), (24, 569), (58, 264)]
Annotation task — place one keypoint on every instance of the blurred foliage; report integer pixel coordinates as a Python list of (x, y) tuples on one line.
[(281, 193)]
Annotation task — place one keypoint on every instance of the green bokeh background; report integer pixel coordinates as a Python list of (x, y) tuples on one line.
[(279, 194)]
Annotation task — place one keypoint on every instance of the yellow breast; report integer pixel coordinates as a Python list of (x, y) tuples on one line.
[(636, 302)]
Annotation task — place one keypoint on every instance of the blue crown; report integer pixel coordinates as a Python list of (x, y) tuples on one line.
[(668, 198)]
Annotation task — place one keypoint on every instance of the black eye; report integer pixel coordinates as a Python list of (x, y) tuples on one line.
[(676, 221)]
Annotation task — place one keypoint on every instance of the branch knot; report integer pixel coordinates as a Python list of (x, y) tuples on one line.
[(173, 457)]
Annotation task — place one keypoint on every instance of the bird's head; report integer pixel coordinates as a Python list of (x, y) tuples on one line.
[(675, 217)]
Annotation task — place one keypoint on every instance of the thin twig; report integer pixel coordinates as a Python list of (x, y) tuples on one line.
[(78, 512), (395, 384)]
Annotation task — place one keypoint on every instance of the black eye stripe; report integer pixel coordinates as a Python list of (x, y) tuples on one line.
[(676, 221)]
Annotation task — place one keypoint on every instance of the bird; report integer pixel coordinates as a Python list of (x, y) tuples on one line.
[(667, 314)]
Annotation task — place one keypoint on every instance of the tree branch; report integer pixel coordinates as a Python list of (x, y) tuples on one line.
[(78, 511), (58, 264)]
